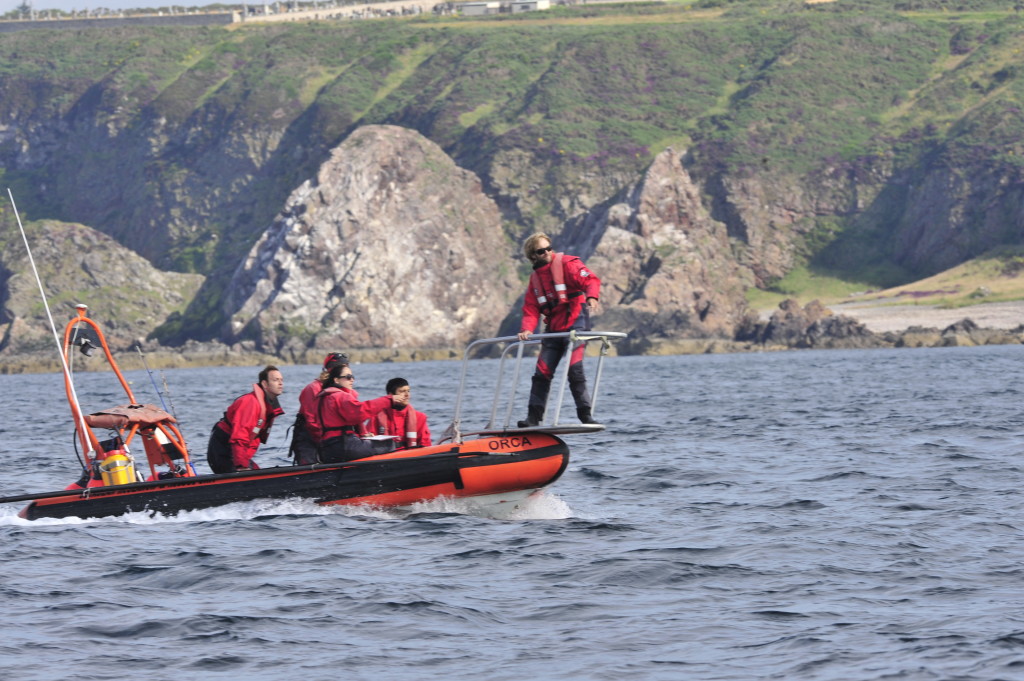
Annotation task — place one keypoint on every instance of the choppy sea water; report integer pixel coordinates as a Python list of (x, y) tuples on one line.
[(800, 515)]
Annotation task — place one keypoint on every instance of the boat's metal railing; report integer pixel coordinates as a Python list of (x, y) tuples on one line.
[(561, 380)]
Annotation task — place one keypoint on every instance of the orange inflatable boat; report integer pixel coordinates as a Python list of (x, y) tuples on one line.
[(497, 464)]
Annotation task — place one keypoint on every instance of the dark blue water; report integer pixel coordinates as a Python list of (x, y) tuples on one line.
[(806, 515)]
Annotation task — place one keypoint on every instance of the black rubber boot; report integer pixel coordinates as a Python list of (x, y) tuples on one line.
[(534, 416), (584, 415)]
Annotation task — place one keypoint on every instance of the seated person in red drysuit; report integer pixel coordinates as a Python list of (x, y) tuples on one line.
[(247, 422), (306, 431), (405, 424), (342, 416)]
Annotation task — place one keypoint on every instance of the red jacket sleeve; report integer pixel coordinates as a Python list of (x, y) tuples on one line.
[(582, 278), (424, 431), (308, 404), (531, 311), (243, 414), (356, 413)]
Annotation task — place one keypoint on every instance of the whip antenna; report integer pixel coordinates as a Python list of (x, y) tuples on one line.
[(138, 347), (159, 393), (53, 328), (167, 390)]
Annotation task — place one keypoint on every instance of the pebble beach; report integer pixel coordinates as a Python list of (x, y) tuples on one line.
[(881, 317)]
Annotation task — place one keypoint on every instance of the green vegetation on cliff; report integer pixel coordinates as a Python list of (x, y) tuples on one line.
[(184, 142)]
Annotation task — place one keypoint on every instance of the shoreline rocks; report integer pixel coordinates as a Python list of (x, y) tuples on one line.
[(816, 326), (790, 327)]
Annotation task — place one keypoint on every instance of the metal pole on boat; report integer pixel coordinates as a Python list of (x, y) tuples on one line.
[(151, 379), (167, 391), (520, 346), (497, 392), (83, 430), (457, 418), (567, 358), (605, 344)]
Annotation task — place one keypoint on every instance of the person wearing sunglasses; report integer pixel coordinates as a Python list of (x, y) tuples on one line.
[(306, 430), (342, 418), (565, 292)]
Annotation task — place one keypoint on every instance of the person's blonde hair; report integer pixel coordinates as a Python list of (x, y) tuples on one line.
[(530, 245)]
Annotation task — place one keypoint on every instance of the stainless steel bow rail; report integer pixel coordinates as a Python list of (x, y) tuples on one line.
[(561, 380)]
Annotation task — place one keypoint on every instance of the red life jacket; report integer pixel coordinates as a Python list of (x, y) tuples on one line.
[(261, 429), (334, 429), (348, 414), (263, 423), (411, 436), (549, 299), (308, 410), (261, 398)]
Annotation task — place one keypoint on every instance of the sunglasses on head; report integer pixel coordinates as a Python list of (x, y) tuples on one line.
[(542, 251), (339, 357)]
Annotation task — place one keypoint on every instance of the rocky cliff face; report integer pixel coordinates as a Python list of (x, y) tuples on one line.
[(185, 145), (667, 267), (77, 264), (954, 214), (390, 245)]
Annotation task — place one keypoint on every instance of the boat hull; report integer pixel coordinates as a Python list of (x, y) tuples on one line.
[(482, 467)]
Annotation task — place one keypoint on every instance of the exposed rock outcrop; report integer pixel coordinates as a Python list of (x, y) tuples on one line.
[(186, 150), (389, 246), (967, 333), (816, 326), (810, 326), (936, 230), (666, 264), (78, 264)]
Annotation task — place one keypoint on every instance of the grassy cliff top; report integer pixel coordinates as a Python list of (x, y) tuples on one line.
[(750, 88), (996, 277)]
